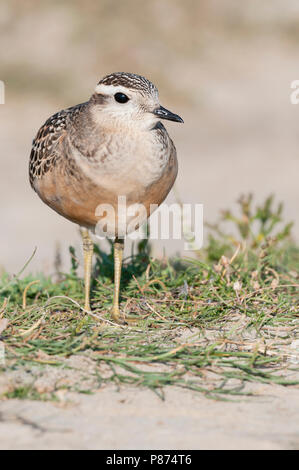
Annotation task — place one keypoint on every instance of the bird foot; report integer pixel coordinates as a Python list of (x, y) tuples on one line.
[(122, 319), (87, 308), (117, 317)]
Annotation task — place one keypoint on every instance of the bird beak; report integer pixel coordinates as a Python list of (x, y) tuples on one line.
[(163, 113)]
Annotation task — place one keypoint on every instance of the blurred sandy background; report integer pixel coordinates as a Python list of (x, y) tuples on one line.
[(225, 66)]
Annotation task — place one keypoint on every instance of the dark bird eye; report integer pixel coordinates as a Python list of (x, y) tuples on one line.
[(121, 97)]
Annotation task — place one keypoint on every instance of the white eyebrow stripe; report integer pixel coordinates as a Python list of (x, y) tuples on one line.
[(111, 89)]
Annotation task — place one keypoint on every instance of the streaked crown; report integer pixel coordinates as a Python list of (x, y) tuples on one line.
[(130, 81)]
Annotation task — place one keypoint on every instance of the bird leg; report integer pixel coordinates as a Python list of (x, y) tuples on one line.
[(118, 256), (87, 252)]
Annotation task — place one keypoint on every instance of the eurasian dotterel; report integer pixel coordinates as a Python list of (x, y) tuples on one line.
[(113, 145)]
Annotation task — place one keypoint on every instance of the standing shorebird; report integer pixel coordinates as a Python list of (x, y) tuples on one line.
[(86, 156)]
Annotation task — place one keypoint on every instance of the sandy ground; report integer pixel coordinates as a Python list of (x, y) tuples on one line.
[(138, 419)]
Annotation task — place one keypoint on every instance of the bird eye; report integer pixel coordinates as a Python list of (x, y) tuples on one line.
[(121, 98)]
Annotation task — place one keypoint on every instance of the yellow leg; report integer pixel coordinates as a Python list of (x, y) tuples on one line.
[(118, 256), (88, 252)]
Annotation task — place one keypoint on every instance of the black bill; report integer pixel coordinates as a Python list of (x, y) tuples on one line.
[(163, 113)]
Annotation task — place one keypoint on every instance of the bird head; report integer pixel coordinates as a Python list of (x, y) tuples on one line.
[(128, 100)]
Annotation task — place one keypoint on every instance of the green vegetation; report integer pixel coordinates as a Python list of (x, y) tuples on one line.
[(210, 324)]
